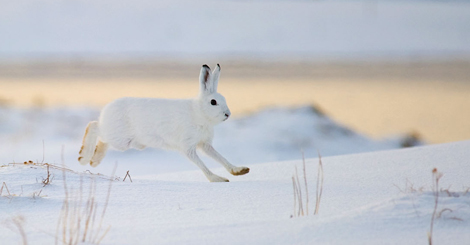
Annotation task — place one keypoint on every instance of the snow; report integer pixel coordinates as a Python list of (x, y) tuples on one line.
[(368, 197), (203, 29), (365, 201)]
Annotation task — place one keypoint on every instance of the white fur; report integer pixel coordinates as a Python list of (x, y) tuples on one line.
[(183, 125)]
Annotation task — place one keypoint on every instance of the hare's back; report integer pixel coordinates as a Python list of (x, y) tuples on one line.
[(139, 118)]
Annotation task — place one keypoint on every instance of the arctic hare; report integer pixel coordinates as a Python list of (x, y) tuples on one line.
[(183, 125)]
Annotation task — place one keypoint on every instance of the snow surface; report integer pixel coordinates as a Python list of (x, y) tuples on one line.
[(183, 28), (368, 198)]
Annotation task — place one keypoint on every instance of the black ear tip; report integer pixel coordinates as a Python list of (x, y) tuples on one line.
[(205, 66), (218, 66)]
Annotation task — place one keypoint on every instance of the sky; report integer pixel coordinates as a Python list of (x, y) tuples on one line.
[(243, 29)]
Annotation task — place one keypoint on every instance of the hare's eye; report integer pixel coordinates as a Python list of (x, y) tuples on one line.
[(213, 102)]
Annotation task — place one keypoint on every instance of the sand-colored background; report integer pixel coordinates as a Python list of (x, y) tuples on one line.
[(375, 97)]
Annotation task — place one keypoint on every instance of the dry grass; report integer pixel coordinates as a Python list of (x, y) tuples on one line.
[(409, 188), (16, 224), (437, 213), (4, 185), (305, 180), (78, 221), (47, 166), (37, 193), (319, 185), (82, 214), (9, 194), (436, 176), (52, 166), (127, 174), (48, 179), (298, 194), (297, 189), (81, 217)]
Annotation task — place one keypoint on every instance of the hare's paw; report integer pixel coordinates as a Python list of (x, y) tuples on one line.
[(215, 178), (83, 161), (240, 170), (94, 164)]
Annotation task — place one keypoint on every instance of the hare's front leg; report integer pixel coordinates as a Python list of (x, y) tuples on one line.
[(191, 154), (210, 151)]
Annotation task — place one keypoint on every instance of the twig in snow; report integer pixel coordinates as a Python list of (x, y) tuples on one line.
[(319, 185), (127, 174), (6, 187), (305, 180), (295, 194), (436, 176), (48, 179), (299, 189)]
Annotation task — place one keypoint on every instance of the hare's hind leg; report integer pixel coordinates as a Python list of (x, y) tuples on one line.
[(210, 151), (191, 154), (89, 143), (100, 152)]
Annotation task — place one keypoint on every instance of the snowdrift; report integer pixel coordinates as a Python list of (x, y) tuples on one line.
[(368, 198)]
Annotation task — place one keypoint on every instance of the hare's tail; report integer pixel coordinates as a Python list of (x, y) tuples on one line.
[(89, 143)]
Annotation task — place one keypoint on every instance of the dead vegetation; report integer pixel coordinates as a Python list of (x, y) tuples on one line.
[(82, 214), (4, 185), (436, 176), (409, 187), (127, 174), (78, 221), (299, 204), (48, 179), (437, 194), (16, 224), (319, 185), (51, 166)]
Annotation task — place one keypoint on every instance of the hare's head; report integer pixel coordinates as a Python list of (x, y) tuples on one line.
[(213, 105)]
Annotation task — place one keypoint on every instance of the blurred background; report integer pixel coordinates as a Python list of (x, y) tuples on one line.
[(379, 67)]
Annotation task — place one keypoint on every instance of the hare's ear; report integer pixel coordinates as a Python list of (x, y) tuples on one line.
[(205, 83), (215, 77), (208, 80)]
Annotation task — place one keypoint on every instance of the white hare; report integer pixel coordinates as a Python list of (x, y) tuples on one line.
[(184, 125)]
